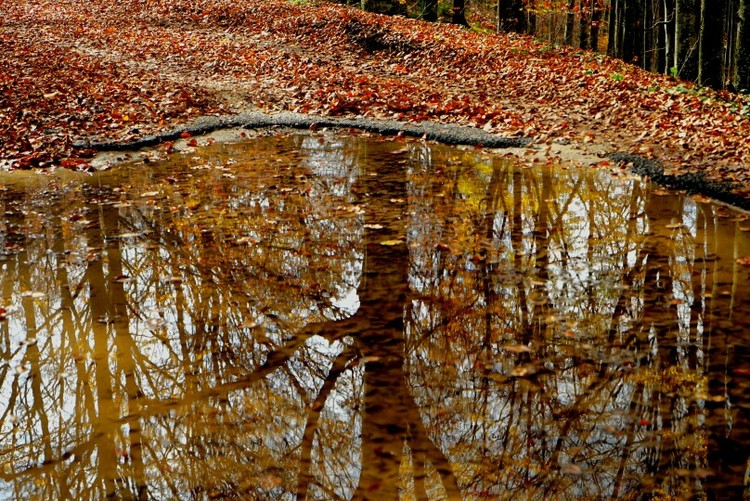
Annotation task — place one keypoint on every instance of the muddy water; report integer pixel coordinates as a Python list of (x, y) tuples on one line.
[(335, 317)]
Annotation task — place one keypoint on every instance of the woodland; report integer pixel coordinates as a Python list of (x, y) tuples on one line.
[(704, 41), (659, 79)]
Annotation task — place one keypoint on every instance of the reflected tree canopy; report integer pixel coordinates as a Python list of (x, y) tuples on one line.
[(335, 317)]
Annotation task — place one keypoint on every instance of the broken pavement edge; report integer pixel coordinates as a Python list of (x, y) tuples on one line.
[(692, 183)]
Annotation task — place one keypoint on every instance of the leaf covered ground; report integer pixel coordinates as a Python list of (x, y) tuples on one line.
[(83, 69)]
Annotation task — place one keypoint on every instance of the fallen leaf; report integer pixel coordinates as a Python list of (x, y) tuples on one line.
[(570, 469)]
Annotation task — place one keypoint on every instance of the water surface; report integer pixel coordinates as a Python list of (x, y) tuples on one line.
[(335, 317)]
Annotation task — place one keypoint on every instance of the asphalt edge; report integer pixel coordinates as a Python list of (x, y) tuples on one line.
[(692, 183), (433, 131)]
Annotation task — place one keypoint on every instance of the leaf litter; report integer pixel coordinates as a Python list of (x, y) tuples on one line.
[(121, 70)]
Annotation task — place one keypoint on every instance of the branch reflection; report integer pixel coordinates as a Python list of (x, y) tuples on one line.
[(328, 317)]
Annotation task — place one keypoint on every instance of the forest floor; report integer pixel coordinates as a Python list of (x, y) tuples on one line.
[(73, 70)]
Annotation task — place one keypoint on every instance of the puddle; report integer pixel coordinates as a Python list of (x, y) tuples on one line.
[(334, 316)]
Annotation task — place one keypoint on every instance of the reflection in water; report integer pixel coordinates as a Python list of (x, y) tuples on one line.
[(330, 317)]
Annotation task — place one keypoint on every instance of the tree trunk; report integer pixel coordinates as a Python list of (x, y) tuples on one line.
[(633, 33), (741, 76), (430, 10), (711, 53), (510, 16), (615, 31), (459, 14), (596, 19), (730, 32), (667, 34), (650, 36), (654, 47), (660, 25), (584, 31), (687, 23), (390, 7), (570, 23), (531, 25)]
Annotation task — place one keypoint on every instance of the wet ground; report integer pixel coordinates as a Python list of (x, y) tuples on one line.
[(330, 316)]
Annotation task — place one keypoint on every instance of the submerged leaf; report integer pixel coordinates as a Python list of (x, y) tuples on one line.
[(391, 242)]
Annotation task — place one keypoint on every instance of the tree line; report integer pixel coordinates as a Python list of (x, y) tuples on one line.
[(704, 41)]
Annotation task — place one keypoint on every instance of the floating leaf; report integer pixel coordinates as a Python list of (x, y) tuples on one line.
[(523, 370), (517, 348), (570, 469)]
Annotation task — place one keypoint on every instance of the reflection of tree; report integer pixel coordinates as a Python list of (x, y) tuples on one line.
[(392, 421), (222, 327), (161, 375), (717, 320), (584, 393)]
